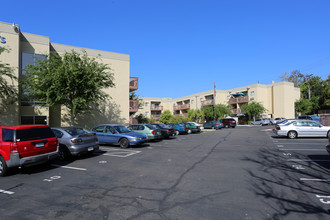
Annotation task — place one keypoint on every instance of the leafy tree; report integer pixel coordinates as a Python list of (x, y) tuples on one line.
[(192, 114), (8, 90), (73, 80), (220, 111), (179, 119), (295, 77), (133, 96), (142, 119), (304, 106), (253, 109), (166, 117)]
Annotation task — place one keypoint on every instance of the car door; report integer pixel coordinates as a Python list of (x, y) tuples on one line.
[(317, 130), (110, 135), (303, 129)]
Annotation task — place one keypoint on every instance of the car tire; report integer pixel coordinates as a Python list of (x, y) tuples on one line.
[(3, 167), (189, 131), (124, 143), (292, 134), (64, 153), (328, 135)]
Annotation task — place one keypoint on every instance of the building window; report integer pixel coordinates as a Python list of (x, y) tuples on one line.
[(31, 120), (30, 59), (252, 93), (201, 99), (228, 97), (147, 104), (147, 114), (192, 102)]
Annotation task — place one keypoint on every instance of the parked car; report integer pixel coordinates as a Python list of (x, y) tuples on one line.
[(24, 145), (278, 120), (118, 135), (309, 117), (74, 141), (191, 127), (197, 124), (166, 131), (148, 130), (228, 122), (303, 128), (213, 125), (179, 128), (328, 146), (260, 121)]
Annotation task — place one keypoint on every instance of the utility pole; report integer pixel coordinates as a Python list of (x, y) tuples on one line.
[(309, 85), (214, 94)]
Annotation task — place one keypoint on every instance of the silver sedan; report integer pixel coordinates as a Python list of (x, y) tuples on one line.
[(303, 128)]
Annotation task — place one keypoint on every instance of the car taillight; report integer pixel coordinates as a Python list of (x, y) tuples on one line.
[(216, 124), (168, 131), (76, 140), (14, 147), (184, 128), (152, 132), (278, 128)]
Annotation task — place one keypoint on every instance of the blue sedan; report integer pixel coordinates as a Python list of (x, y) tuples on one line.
[(118, 135)]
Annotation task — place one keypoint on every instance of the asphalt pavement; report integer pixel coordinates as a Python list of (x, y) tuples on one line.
[(242, 173)]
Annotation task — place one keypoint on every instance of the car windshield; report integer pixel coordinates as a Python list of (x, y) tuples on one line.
[(122, 129), (314, 117), (76, 131), (163, 126)]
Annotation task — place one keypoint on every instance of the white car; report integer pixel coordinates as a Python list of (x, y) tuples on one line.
[(261, 121), (196, 124), (303, 128)]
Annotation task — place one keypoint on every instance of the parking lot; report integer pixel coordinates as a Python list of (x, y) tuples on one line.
[(242, 173)]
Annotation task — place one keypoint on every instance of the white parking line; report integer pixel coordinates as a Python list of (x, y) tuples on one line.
[(305, 160), (6, 192), (120, 152), (304, 149), (74, 168), (320, 180)]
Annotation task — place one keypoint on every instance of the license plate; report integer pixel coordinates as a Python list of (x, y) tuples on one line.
[(40, 145), (90, 148)]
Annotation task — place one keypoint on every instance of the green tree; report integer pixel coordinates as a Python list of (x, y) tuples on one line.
[(253, 109), (220, 111), (166, 117), (304, 106), (192, 114), (8, 90), (142, 119), (73, 80)]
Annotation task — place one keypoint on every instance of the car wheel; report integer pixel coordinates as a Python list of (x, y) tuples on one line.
[(3, 167), (177, 132), (189, 131), (64, 153), (123, 143), (292, 134), (328, 135)]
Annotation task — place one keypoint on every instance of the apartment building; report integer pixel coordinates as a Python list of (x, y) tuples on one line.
[(278, 99), (26, 48)]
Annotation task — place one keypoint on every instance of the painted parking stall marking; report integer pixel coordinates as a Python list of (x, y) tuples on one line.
[(67, 167), (6, 192), (319, 180), (120, 152)]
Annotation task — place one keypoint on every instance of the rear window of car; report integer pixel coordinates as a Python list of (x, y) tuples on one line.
[(76, 131), (151, 127), (34, 134)]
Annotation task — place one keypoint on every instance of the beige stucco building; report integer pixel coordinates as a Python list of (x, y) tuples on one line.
[(26, 48), (278, 99)]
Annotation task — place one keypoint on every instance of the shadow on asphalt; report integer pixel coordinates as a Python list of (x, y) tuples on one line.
[(276, 175)]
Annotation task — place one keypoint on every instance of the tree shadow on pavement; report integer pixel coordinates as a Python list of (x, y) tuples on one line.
[(278, 181)]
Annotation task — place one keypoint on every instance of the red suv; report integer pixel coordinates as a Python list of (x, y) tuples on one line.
[(228, 122), (22, 145)]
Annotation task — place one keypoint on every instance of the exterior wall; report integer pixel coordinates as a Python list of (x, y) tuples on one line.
[(277, 98), (9, 114), (114, 110)]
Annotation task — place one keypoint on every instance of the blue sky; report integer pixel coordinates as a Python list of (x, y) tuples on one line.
[(181, 47)]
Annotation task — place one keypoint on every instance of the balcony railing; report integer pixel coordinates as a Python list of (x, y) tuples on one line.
[(156, 116), (133, 105), (185, 115), (241, 99), (133, 83), (207, 102), (235, 111), (181, 107), (156, 108)]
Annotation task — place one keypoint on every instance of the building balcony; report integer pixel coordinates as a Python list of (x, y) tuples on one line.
[(235, 111), (155, 116), (133, 105), (133, 83), (181, 107), (207, 102), (241, 99), (156, 108), (185, 115)]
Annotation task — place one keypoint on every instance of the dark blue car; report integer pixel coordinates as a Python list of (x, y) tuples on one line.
[(118, 135), (213, 125)]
